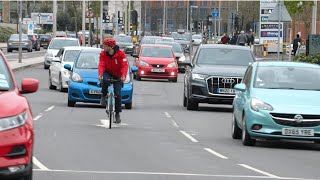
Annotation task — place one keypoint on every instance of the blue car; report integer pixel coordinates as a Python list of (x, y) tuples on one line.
[(277, 100), (83, 82)]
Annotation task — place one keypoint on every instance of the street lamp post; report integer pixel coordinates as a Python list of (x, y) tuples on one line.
[(39, 15), (191, 15)]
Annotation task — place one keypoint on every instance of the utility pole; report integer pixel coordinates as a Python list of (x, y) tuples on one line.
[(83, 22), (314, 18), (164, 17), (129, 16), (101, 18), (188, 15), (89, 17), (219, 22), (279, 20), (54, 28), (20, 31)]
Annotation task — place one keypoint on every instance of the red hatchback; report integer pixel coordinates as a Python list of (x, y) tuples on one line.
[(156, 61), (16, 125)]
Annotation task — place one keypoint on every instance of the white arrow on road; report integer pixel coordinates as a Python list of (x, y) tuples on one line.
[(105, 124)]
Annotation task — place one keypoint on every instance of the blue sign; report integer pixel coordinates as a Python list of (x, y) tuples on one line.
[(30, 26), (215, 13)]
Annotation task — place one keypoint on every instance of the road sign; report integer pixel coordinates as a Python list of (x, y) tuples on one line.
[(30, 28), (215, 13)]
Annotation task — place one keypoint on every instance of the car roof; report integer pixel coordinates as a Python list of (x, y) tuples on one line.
[(223, 46), (167, 43), (77, 48), (285, 64), (155, 45), (66, 38)]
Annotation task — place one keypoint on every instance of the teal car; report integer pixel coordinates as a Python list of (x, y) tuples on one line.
[(277, 100)]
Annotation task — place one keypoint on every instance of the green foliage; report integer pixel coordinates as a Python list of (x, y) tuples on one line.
[(293, 7), (5, 33), (315, 59)]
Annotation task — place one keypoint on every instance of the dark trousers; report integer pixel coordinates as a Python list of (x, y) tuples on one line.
[(295, 48), (117, 90)]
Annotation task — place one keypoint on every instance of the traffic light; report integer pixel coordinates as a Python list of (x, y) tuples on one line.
[(131, 27), (199, 25), (120, 20), (104, 17), (208, 20), (122, 27), (236, 23)]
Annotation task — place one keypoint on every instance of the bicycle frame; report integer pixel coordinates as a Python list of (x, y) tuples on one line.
[(110, 108)]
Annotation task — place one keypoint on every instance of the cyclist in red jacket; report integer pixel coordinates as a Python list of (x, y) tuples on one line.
[(113, 63)]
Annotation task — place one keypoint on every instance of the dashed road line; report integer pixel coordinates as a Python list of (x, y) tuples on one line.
[(38, 117), (259, 171), (189, 136), (174, 123), (167, 114), (215, 153), (39, 164), (50, 108)]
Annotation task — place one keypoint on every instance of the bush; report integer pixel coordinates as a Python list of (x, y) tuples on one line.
[(5, 33), (315, 59)]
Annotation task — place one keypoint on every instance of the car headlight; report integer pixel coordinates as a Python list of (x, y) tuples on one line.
[(127, 79), (182, 58), (173, 64), (198, 76), (257, 105), (76, 77), (142, 63), (66, 73), (13, 122)]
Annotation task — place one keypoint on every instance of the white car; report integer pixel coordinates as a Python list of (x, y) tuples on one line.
[(55, 45), (196, 39), (58, 75), (164, 39)]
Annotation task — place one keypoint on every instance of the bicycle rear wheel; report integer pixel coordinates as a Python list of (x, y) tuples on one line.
[(111, 110)]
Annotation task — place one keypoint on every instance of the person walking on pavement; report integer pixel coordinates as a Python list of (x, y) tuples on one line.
[(112, 64), (242, 39), (296, 44), (225, 39), (233, 39)]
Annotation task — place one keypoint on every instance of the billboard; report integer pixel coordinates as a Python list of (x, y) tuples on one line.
[(45, 18)]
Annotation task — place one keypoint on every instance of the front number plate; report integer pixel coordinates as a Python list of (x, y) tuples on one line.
[(297, 132), (226, 91), (92, 91), (157, 70)]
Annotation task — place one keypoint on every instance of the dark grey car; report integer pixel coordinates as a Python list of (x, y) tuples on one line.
[(13, 43), (213, 73), (125, 43)]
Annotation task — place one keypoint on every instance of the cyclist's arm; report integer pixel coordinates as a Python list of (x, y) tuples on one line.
[(124, 65), (102, 64)]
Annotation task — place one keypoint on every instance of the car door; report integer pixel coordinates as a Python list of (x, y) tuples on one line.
[(55, 70)]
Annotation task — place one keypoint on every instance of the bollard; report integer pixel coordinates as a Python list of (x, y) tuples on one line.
[(265, 46)]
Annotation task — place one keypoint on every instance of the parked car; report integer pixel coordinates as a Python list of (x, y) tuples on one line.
[(157, 62), (55, 45), (35, 42), (16, 124), (125, 43), (13, 43), (58, 75), (45, 39), (277, 100), (83, 83), (213, 73), (178, 53), (61, 34)]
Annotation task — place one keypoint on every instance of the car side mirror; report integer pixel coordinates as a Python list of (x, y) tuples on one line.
[(192, 40), (134, 68), (29, 85), (240, 87), (67, 66)]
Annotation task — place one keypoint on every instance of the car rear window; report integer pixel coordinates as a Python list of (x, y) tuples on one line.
[(71, 55), (88, 60), (162, 52), (224, 56), (126, 39), (60, 43), (6, 82), (16, 37)]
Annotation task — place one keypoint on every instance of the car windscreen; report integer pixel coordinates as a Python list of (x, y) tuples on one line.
[(224, 56), (196, 37), (6, 82), (162, 52), (125, 39), (15, 37), (299, 78), (88, 60), (182, 36), (60, 43), (71, 55)]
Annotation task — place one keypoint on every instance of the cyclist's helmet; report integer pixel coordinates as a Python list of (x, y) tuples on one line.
[(109, 42)]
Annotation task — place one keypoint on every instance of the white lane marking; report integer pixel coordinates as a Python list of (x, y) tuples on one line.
[(175, 124), (167, 114), (105, 124), (50, 108), (39, 164), (259, 171), (188, 136), (154, 173), (38, 117), (215, 153)]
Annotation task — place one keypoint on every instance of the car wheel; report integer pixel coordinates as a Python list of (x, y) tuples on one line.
[(191, 105), (246, 139), (128, 105), (235, 131), (138, 77), (60, 87), (71, 103), (50, 83)]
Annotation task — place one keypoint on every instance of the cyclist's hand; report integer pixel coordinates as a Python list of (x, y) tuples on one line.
[(100, 77), (123, 79)]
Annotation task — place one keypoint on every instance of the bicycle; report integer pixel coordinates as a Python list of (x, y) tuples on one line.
[(110, 107)]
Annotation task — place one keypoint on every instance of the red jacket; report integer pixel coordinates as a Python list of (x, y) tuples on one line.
[(117, 66)]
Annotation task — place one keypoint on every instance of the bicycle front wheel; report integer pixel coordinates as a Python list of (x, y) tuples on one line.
[(111, 109)]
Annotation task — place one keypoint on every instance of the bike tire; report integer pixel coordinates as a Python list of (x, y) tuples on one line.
[(111, 110)]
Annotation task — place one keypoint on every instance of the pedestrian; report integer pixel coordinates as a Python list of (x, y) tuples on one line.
[(296, 44), (242, 39), (251, 38), (233, 39), (225, 39)]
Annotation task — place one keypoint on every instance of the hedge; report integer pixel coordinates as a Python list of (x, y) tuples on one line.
[(5, 33), (315, 59)]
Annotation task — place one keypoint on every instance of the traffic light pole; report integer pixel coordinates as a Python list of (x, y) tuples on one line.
[(101, 18)]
